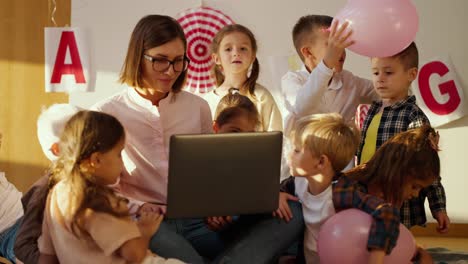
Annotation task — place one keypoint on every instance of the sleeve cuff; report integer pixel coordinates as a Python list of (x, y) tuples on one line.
[(322, 67)]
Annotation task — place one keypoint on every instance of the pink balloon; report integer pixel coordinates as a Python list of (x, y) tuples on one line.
[(343, 239), (381, 28)]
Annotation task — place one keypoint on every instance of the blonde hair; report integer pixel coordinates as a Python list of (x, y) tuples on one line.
[(85, 133), (329, 135), (251, 81)]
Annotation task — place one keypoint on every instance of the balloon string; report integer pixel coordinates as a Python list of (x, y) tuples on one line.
[(54, 9)]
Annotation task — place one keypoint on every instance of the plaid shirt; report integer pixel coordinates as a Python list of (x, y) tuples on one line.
[(385, 228), (399, 117), (351, 194)]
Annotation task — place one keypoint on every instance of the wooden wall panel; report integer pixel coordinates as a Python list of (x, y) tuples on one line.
[(22, 93)]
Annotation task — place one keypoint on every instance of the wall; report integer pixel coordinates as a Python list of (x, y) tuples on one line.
[(109, 24), (22, 93), (441, 33)]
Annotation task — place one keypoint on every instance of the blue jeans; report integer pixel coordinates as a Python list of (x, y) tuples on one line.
[(189, 240), (265, 238), (250, 239), (7, 241)]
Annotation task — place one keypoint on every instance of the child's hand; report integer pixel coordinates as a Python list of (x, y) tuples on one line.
[(283, 211), (217, 223), (443, 222), (149, 223), (149, 207), (338, 40)]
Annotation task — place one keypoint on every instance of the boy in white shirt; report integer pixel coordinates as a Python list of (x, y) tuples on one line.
[(323, 86), (323, 146)]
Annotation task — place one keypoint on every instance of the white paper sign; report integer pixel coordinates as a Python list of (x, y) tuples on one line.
[(439, 93), (67, 64)]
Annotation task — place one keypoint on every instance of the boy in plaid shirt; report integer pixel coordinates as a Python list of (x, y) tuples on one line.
[(394, 113)]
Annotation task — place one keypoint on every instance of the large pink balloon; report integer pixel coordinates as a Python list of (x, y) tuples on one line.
[(343, 239), (381, 28)]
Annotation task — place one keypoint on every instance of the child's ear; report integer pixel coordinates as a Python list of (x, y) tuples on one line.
[(215, 127), (412, 74), (94, 160), (55, 149), (306, 53), (324, 161), (216, 59)]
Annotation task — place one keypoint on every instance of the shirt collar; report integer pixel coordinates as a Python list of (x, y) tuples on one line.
[(336, 82), (141, 101), (409, 100)]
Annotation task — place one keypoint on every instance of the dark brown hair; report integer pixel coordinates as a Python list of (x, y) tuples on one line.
[(409, 57), (304, 30), (234, 104), (85, 133), (151, 31), (251, 81), (410, 155)]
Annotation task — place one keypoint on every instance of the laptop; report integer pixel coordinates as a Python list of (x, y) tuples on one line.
[(223, 174)]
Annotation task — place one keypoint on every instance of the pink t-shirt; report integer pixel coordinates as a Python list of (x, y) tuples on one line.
[(108, 232), (148, 130)]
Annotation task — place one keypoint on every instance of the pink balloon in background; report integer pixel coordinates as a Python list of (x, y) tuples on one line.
[(343, 239), (381, 28)]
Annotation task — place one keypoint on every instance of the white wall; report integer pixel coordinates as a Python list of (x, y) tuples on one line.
[(442, 32)]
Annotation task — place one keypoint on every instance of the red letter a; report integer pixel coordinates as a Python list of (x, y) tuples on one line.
[(67, 40)]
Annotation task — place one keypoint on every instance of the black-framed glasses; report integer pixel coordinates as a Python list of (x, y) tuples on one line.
[(162, 64)]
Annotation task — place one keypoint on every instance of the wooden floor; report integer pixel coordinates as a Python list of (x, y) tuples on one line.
[(452, 243)]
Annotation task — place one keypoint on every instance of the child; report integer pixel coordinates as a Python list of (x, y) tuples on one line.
[(394, 113), (234, 51), (324, 144), (50, 125), (11, 214), (84, 220), (235, 113), (244, 234), (405, 165), (322, 86)]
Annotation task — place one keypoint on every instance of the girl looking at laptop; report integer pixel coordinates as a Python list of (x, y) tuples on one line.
[(236, 113)]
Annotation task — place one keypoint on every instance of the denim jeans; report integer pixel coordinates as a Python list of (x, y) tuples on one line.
[(7, 241), (189, 240), (262, 239), (250, 239)]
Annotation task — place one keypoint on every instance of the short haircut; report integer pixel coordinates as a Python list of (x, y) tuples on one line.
[(304, 30), (50, 125), (151, 31), (329, 135), (409, 57)]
